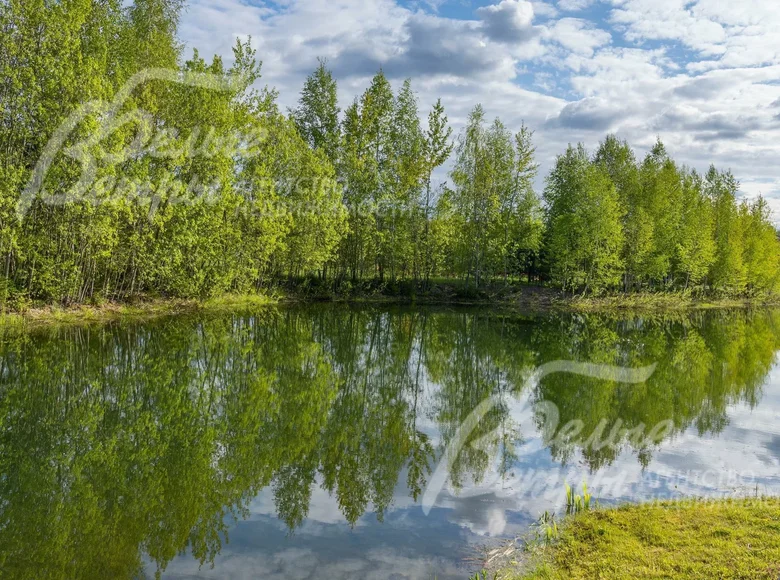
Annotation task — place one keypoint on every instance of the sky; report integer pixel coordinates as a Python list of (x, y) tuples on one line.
[(703, 75)]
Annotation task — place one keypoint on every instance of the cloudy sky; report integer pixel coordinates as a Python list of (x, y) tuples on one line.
[(704, 75)]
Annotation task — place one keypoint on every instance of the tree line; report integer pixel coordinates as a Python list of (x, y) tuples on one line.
[(188, 190)]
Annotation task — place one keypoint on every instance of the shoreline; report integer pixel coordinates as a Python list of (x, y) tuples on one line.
[(529, 299), (137, 310)]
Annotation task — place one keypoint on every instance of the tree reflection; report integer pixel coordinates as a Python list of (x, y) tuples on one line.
[(121, 444)]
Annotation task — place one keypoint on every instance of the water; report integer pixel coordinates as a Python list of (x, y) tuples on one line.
[(300, 442)]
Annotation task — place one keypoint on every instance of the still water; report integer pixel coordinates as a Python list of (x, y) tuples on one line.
[(302, 442)]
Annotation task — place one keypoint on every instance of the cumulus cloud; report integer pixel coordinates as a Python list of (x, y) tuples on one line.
[(579, 36), (508, 21), (591, 114), (703, 88), (430, 46), (669, 20), (574, 5), (729, 34), (544, 9), (706, 126)]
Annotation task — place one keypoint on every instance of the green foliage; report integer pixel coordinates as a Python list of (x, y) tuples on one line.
[(728, 271), (317, 116), (546, 530), (584, 236), (577, 503), (496, 209), (614, 223)]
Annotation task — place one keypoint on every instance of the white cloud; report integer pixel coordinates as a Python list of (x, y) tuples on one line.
[(727, 33), (544, 9), (574, 5), (579, 36), (508, 21), (591, 113), (669, 20)]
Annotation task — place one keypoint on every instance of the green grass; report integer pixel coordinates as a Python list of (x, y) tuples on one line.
[(737, 539), (139, 310), (661, 301)]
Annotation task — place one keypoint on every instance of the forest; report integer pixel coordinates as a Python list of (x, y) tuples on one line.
[(197, 183)]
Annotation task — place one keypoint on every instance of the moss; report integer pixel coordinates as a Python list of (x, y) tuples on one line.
[(695, 539)]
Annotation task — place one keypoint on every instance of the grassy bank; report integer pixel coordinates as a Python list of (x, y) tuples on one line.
[(512, 294), (453, 292), (145, 309), (691, 539)]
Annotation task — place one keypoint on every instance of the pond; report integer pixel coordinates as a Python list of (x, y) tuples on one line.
[(330, 441)]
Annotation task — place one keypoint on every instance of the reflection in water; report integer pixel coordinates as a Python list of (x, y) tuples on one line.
[(122, 446)]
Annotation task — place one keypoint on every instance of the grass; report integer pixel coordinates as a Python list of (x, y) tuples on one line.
[(661, 301), (735, 538), (138, 310)]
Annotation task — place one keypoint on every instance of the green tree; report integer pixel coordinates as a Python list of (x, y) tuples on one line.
[(484, 184), (437, 148), (762, 253), (521, 215), (405, 184), (660, 191), (727, 273), (584, 236), (695, 250), (317, 114)]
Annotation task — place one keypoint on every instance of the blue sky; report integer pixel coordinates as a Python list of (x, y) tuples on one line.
[(702, 74)]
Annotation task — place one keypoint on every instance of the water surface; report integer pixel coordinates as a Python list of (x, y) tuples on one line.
[(299, 442)]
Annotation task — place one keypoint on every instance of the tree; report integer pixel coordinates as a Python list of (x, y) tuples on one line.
[(437, 149), (317, 114), (762, 249), (356, 168), (727, 273), (584, 236), (194, 192), (695, 249), (521, 218), (482, 174), (407, 167), (660, 190), (619, 161), (377, 109)]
